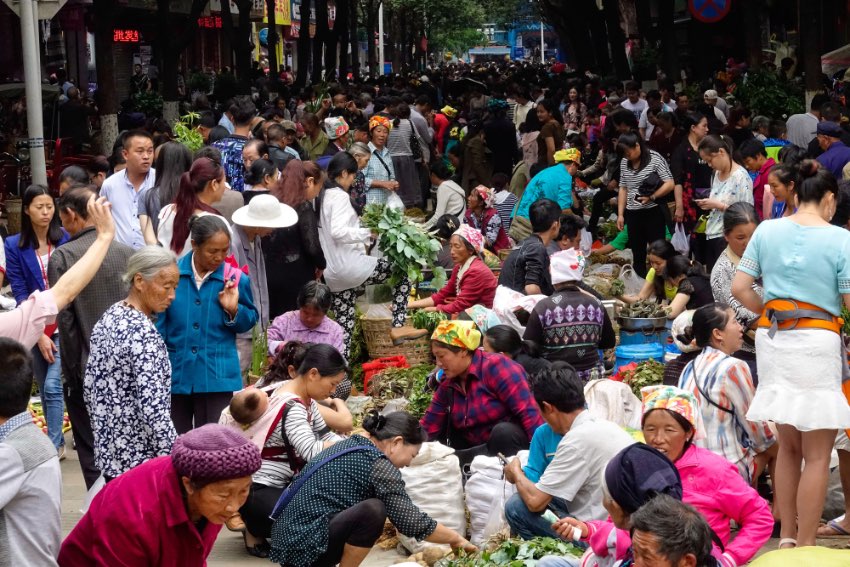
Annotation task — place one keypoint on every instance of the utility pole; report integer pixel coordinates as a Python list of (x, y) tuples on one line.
[(32, 81), (381, 38), (542, 45)]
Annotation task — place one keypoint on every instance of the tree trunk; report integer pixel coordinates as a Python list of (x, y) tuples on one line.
[(319, 39), (331, 43), (616, 38), (106, 100), (644, 22), (352, 37), (810, 25), (240, 41), (342, 27), (669, 43), (304, 48), (371, 21), (599, 37), (173, 45), (752, 32)]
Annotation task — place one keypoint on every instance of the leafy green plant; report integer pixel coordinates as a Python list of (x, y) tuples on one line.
[(149, 102), (322, 92), (407, 247), (186, 133), (767, 94), (513, 553), (637, 376), (427, 319)]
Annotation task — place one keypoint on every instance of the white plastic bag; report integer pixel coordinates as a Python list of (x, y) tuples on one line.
[(394, 201), (93, 491), (433, 482), (486, 494), (586, 244), (633, 283), (680, 240)]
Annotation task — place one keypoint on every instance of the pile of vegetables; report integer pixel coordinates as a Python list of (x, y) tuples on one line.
[(429, 320), (644, 309), (407, 247), (639, 375), (409, 383), (513, 553)]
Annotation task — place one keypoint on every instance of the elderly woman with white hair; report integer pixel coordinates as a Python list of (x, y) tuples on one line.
[(571, 325), (127, 386), (360, 152)]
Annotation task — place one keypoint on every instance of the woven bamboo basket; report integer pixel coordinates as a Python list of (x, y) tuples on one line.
[(380, 344)]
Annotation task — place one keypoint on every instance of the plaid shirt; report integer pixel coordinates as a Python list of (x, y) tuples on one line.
[(496, 391), (231, 160), (380, 168)]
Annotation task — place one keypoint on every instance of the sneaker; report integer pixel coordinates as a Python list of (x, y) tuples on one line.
[(61, 452)]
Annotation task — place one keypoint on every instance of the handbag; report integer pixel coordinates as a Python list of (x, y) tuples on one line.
[(650, 185), (291, 490)]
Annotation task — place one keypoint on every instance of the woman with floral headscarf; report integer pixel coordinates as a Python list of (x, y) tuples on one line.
[(471, 282), (481, 215), (380, 174), (483, 405), (672, 421)]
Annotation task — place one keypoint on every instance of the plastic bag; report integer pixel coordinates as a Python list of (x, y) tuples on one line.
[(394, 201), (93, 491), (379, 311), (633, 282), (604, 270), (680, 240), (586, 244), (496, 521), (486, 494)]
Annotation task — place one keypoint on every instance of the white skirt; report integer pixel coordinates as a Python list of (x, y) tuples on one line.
[(800, 380)]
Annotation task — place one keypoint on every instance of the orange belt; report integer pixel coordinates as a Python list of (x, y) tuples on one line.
[(788, 314)]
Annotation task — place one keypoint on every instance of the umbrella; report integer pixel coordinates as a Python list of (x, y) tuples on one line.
[(467, 84), (9, 91)]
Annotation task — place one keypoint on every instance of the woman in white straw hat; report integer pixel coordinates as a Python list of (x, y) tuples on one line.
[(252, 222)]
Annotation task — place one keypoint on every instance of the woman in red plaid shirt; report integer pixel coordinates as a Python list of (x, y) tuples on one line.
[(483, 405)]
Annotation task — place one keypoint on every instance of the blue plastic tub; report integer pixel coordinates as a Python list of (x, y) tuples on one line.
[(643, 338), (626, 354)]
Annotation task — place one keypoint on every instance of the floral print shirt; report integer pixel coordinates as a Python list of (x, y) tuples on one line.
[(127, 390)]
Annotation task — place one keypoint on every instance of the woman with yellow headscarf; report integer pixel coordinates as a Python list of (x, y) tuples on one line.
[(483, 405)]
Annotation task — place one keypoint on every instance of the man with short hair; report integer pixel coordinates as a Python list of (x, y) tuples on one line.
[(30, 477), (670, 533), (572, 483), (569, 235), (315, 141), (122, 189), (646, 121), (74, 118), (77, 320), (835, 154), (802, 128), (710, 98), (243, 111), (633, 103), (829, 112), (755, 160), (279, 153), (526, 268)]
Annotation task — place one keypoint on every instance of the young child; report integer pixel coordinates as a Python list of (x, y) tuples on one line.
[(248, 405)]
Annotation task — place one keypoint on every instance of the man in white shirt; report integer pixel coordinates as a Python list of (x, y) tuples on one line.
[(571, 484), (523, 105), (710, 98), (122, 189), (802, 128), (633, 102), (654, 105)]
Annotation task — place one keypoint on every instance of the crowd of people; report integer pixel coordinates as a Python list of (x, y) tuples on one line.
[(143, 293)]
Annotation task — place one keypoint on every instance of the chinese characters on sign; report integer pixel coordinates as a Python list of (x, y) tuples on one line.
[(210, 22), (125, 36)]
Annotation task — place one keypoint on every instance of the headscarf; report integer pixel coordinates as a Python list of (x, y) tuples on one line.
[(461, 334), (335, 127), (496, 104), (637, 474), (677, 401), (570, 154), (378, 120), (471, 235), (681, 326), (486, 194), (567, 266), (449, 111)]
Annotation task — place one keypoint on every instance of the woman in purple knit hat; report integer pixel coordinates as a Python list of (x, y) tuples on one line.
[(167, 511)]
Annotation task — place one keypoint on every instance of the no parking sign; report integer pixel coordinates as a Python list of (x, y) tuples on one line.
[(709, 11)]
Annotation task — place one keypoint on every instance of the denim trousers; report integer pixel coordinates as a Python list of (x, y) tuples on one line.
[(48, 377), (528, 524)]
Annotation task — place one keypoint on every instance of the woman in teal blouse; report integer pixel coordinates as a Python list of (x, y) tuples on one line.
[(212, 305)]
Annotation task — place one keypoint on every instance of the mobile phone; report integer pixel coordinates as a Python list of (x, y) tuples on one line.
[(702, 192)]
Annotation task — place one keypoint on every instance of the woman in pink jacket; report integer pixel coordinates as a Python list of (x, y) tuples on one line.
[(711, 484)]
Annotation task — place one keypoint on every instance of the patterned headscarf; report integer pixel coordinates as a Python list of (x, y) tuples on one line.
[(335, 127), (378, 120), (471, 235), (570, 154), (487, 195), (461, 334), (680, 328), (449, 111), (677, 401), (567, 266)]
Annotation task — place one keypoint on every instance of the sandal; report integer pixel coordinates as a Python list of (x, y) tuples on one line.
[(789, 541), (261, 550), (835, 527)]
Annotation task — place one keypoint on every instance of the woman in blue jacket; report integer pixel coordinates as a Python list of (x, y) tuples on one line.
[(27, 257), (213, 304)]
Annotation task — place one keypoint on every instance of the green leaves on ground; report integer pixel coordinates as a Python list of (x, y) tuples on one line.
[(514, 553)]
